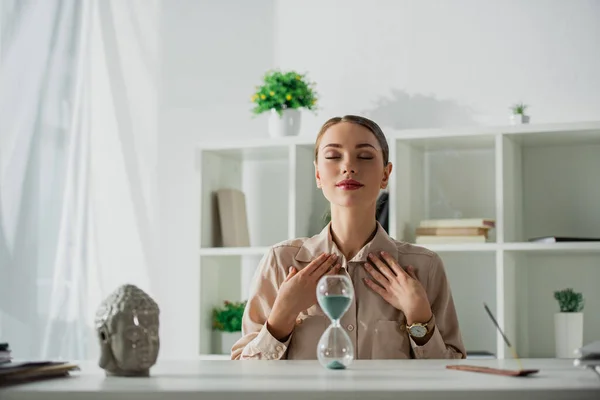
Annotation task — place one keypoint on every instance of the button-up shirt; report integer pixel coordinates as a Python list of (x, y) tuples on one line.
[(376, 328)]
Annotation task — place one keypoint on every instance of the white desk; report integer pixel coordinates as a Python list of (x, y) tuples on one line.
[(250, 380)]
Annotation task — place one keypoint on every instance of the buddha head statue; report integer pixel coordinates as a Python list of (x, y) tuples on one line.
[(127, 325)]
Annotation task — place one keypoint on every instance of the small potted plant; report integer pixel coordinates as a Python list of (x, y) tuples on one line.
[(227, 322), (518, 115), (568, 323), (283, 94)]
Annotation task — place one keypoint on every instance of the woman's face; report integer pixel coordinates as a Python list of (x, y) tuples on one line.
[(349, 167)]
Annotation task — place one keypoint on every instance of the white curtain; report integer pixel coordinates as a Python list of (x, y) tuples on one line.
[(77, 166)]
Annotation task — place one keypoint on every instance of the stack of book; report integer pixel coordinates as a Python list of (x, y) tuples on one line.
[(21, 372), (461, 230)]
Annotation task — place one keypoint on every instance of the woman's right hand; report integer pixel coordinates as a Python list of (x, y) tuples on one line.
[(297, 293)]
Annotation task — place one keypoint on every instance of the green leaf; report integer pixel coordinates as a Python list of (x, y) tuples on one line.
[(569, 301), (283, 90), (229, 317)]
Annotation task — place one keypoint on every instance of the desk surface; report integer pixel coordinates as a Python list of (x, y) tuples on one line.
[(377, 379)]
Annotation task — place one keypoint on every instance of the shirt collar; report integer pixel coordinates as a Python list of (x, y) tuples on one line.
[(323, 243)]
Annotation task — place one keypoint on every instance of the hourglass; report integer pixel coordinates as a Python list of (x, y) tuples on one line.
[(335, 294)]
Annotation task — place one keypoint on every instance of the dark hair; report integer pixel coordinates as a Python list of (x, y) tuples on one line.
[(355, 119)]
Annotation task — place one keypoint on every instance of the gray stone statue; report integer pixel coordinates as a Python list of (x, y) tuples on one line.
[(127, 324)]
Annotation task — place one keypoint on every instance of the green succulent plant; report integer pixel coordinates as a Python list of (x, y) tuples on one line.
[(569, 301), (519, 108)]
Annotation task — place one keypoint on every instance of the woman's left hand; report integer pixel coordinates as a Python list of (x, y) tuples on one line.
[(398, 287)]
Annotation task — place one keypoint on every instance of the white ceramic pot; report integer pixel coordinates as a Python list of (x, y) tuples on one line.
[(518, 119), (568, 333), (227, 340), (288, 124)]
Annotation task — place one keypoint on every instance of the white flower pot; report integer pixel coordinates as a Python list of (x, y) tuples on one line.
[(227, 340), (518, 119), (568, 333), (288, 124)]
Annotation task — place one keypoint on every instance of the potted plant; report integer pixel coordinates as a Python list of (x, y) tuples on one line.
[(283, 94), (518, 114), (227, 322), (568, 323)]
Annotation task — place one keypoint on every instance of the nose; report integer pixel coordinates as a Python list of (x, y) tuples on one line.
[(348, 168)]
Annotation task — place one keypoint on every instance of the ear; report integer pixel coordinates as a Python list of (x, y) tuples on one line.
[(107, 359), (317, 176), (387, 171)]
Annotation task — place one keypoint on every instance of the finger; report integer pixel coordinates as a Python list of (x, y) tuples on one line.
[(292, 271), (314, 264), (398, 270), (323, 268), (336, 268), (412, 272), (379, 278), (376, 288), (382, 267)]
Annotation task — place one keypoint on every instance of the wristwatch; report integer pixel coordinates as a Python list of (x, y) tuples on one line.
[(419, 329)]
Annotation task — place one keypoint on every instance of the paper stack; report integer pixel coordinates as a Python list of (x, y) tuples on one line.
[(4, 353), (460, 230), (19, 372)]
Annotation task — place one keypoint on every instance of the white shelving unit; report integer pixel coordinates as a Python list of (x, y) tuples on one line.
[(534, 180)]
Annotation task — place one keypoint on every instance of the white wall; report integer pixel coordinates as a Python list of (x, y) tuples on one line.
[(413, 64), (213, 54)]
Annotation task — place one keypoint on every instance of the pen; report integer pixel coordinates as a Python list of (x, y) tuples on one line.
[(514, 352)]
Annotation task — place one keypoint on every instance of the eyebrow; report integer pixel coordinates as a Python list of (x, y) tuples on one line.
[(358, 146)]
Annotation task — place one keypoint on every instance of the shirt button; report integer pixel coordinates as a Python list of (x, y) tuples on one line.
[(279, 348), (350, 327)]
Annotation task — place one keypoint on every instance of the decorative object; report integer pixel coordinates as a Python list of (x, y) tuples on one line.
[(334, 294), (568, 323), (283, 94), (518, 115), (127, 323), (227, 321)]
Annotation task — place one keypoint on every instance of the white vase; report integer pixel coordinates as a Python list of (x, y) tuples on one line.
[(568, 333), (227, 340), (518, 119), (286, 124)]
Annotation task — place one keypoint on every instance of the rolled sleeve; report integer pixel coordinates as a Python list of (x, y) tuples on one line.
[(256, 341), (446, 338), (265, 346)]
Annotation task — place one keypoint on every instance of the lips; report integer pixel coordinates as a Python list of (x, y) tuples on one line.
[(349, 184)]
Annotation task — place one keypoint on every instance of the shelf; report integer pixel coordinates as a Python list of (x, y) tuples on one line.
[(233, 251), (460, 247), (535, 180), (258, 144), (579, 247)]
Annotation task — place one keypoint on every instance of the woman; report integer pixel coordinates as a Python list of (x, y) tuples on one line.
[(403, 306)]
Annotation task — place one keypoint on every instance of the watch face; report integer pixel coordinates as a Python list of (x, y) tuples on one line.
[(418, 331)]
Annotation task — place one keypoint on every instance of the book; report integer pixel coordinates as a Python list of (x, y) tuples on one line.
[(452, 231), (458, 223), (11, 373), (450, 239), (557, 239), (233, 220)]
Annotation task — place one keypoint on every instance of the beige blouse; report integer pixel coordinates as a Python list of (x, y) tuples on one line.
[(376, 328)]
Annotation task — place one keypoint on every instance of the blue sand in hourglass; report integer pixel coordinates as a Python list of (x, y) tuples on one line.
[(335, 305)]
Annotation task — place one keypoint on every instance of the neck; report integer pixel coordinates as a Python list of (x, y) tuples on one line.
[(352, 228)]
